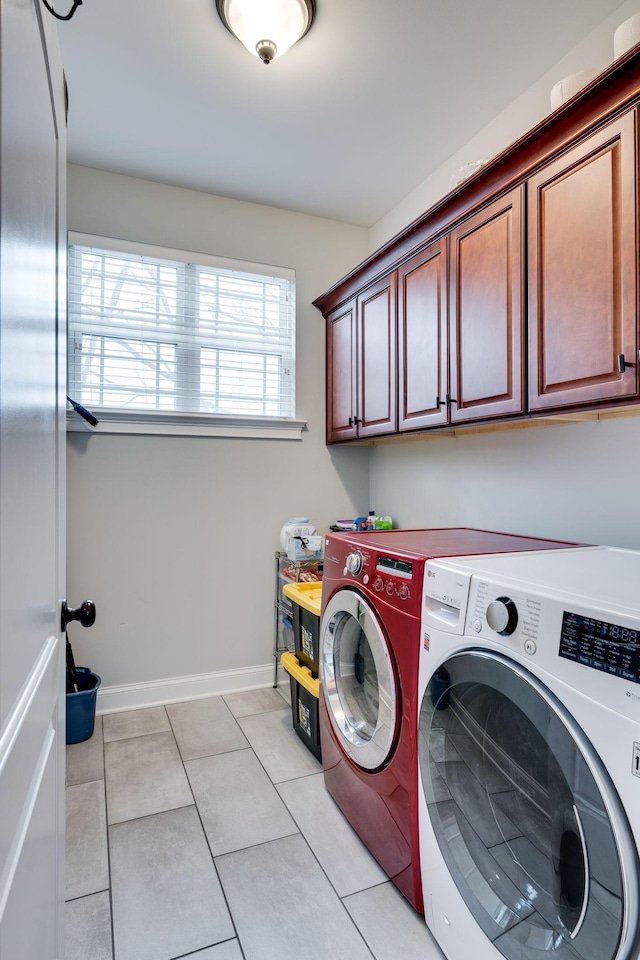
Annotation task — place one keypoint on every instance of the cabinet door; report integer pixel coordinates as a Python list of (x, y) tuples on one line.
[(377, 393), (341, 374), (422, 339), (486, 335), (582, 272)]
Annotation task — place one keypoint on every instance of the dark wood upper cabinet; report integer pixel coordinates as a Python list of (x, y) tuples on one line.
[(422, 339), (341, 374), (529, 267), (582, 272), (361, 365), (376, 364), (486, 320)]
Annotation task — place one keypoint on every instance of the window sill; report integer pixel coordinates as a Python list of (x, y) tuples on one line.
[(139, 423)]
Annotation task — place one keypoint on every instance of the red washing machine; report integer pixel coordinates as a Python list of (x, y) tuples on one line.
[(369, 653)]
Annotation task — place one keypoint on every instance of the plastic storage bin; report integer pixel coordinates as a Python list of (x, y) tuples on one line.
[(305, 695), (81, 706), (307, 604), (302, 666)]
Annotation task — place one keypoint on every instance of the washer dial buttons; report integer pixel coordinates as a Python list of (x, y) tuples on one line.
[(502, 616), (390, 588), (477, 626), (378, 584), (365, 579), (530, 647), (354, 563), (403, 592)]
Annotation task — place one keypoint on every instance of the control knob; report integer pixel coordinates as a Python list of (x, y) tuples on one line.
[(354, 563), (502, 616)]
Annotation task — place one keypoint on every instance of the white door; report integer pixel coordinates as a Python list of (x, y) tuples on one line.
[(32, 332)]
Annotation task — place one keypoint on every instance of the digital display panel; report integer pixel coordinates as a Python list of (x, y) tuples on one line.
[(603, 646), (401, 568)]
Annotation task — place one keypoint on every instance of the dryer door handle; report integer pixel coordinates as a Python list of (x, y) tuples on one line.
[(585, 863)]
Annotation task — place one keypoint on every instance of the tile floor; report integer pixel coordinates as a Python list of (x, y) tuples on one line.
[(203, 830)]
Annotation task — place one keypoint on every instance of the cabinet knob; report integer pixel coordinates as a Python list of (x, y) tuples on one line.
[(623, 364), (450, 400), (440, 403)]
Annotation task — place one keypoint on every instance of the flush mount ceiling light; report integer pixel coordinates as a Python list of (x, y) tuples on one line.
[(267, 28)]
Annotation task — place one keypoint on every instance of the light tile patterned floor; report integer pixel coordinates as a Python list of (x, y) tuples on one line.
[(204, 830)]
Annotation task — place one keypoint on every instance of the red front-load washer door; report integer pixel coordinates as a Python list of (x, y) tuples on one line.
[(359, 680)]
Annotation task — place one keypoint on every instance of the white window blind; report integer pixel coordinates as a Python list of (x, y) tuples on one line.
[(178, 336)]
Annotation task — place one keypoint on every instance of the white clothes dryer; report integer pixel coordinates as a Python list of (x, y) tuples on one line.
[(529, 755)]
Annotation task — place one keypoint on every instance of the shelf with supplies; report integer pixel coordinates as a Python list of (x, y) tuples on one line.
[(288, 571)]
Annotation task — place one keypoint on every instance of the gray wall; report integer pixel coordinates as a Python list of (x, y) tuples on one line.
[(174, 537), (576, 482), (594, 52)]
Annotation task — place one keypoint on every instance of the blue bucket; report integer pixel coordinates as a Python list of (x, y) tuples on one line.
[(81, 706)]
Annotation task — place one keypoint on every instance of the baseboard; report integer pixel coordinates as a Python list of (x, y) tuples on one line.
[(132, 696)]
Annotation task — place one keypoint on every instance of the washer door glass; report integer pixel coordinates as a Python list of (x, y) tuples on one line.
[(358, 680), (523, 812)]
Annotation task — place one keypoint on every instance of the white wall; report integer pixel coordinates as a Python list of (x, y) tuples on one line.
[(578, 481), (174, 537)]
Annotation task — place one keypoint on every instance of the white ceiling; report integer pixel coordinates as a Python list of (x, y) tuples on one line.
[(375, 97)]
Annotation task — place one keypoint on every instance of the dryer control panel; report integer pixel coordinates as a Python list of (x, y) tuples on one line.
[(587, 638), (396, 580), (604, 646), (523, 620), (389, 572), (570, 642), (393, 577)]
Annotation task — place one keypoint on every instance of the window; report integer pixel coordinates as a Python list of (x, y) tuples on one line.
[(161, 335)]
